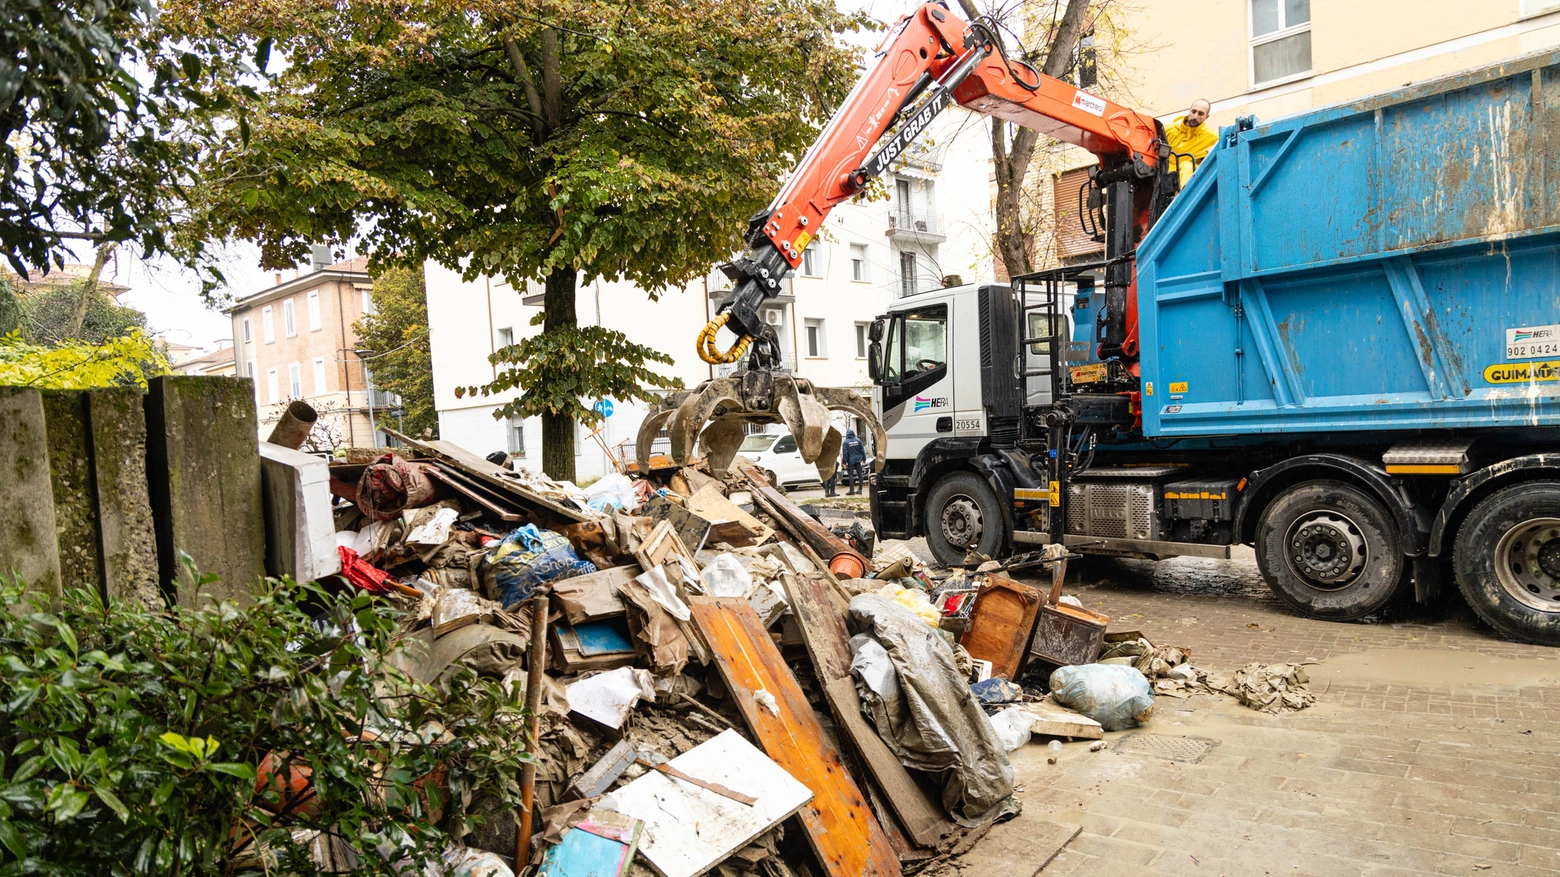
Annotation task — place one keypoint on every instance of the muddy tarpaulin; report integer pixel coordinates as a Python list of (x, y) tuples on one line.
[(924, 710)]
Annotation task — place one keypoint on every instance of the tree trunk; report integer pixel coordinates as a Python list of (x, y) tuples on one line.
[(558, 429), (1011, 160), (86, 292)]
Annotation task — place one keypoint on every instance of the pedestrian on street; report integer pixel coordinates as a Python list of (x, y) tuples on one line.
[(854, 453)]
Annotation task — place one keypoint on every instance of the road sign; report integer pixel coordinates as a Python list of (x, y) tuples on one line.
[(603, 407)]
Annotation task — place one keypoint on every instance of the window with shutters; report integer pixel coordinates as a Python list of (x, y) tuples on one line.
[(319, 376), (1280, 41), (815, 339), (861, 339), (314, 311), (267, 324), (858, 263), (272, 391), (289, 322), (516, 433), (1073, 240), (295, 380), (907, 280)]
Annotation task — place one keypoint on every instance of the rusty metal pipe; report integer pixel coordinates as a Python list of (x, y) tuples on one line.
[(844, 561), (294, 427), (533, 708)]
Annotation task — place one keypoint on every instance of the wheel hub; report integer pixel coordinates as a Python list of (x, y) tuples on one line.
[(961, 522), (1527, 563), (1326, 549)]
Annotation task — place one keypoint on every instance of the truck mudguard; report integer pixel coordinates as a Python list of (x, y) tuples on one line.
[(1262, 483), (1506, 471)]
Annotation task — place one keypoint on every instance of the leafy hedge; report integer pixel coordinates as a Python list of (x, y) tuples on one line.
[(130, 740)]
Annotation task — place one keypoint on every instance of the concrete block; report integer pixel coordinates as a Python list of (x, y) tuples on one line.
[(68, 442), (127, 541), (300, 529), (28, 550), (203, 471)]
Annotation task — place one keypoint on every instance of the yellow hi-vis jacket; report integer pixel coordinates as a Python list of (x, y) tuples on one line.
[(1188, 140)]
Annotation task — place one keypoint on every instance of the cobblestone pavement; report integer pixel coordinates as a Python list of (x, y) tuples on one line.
[(1434, 746)]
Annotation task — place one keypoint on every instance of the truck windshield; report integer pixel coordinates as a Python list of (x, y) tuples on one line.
[(922, 341)]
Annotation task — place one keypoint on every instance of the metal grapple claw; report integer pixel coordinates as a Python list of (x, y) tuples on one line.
[(852, 402), (729, 405)]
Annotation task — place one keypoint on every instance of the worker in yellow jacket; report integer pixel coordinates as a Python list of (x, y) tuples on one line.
[(1191, 135)]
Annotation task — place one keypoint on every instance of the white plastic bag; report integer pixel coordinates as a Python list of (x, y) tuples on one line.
[(1115, 696), (726, 578), (1012, 727), (614, 491)]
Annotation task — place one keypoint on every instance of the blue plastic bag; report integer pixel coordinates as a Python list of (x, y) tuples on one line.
[(997, 690), (1115, 695), (528, 557)]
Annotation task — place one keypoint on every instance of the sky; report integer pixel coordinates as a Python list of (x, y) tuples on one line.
[(170, 296)]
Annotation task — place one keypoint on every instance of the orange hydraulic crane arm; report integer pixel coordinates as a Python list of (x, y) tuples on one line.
[(929, 59)]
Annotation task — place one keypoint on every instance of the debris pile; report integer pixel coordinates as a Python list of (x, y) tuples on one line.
[(719, 682)]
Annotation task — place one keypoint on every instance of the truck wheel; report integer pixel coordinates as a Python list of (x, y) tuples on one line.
[(962, 514), (1507, 561), (1330, 551)]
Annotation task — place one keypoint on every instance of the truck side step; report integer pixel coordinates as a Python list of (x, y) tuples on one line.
[(1428, 457), (1097, 545)]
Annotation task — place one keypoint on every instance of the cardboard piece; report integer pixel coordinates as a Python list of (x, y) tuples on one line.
[(593, 596), (602, 845)]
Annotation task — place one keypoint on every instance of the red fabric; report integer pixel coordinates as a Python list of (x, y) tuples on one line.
[(361, 574), (390, 485)]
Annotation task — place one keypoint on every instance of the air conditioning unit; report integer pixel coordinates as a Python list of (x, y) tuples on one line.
[(772, 316)]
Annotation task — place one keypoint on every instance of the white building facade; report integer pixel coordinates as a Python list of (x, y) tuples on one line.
[(934, 225)]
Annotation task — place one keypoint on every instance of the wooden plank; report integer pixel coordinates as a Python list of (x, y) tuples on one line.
[(688, 829), (840, 826), (491, 474), (828, 644)]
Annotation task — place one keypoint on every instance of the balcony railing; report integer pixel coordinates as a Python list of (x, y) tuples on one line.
[(922, 225), (787, 366)]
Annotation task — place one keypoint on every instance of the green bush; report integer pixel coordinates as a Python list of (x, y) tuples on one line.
[(130, 740)]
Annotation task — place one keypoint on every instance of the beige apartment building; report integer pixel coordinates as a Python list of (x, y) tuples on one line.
[(1275, 58), (295, 340)]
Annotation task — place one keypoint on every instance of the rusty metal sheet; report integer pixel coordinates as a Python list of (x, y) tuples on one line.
[(828, 644), (840, 826), (1000, 624)]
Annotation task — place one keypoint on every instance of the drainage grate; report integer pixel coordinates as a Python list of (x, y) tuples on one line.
[(1188, 749)]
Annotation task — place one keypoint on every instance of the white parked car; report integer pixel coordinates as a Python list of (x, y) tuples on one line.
[(780, 458)]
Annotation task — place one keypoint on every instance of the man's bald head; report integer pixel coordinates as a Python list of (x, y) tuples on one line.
[(1198, 113)]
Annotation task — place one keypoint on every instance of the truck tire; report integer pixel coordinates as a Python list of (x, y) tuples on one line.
[(1330, 551), (1506, 558), (962, 514)]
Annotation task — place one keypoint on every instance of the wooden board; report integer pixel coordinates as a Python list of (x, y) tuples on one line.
[(689, 830), (840, 826), (708, 503), (1054, 720), (1001, 622), (691, 528), (828, 644)]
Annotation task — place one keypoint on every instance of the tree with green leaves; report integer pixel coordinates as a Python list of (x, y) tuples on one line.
[(546, 142), (397, 335), (102, 117)]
